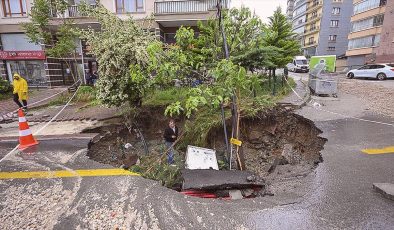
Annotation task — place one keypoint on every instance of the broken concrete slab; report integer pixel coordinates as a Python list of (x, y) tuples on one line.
[(235, 194), (205, 179), (386, 189)]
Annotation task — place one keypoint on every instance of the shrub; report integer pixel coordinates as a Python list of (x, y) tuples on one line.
[(5, 86)]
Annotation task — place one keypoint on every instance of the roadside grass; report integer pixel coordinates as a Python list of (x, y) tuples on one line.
[(165, 97), (85, 94)]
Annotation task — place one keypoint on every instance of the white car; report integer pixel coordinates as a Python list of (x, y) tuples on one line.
[(378, 71)]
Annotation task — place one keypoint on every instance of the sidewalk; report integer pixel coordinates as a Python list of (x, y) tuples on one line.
[(8, 106)]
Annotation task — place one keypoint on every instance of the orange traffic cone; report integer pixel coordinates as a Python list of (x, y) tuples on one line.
[(26, 138)]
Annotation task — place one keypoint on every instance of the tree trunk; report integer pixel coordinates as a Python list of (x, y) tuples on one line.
[(274, 77)]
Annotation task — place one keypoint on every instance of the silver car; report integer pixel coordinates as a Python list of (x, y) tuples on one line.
[(378, 71)]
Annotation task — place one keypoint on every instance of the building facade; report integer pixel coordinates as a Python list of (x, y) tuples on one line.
[(17, 54), (290, 9), (322, 26), (371, 34)]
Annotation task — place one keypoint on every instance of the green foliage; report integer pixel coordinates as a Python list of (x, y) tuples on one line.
[(243, 30), (152, 167), (279, 34), (65, 45), (5, 86), (86, 94), (197, 128), (37, 29), (5, 89), (165, 97), (121, 50), (227, 79)]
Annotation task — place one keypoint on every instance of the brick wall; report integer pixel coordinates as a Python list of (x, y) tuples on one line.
[(385, 51)]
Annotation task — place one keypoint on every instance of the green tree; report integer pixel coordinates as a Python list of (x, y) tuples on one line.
[(39, 32), (279, 34), (122, 50)]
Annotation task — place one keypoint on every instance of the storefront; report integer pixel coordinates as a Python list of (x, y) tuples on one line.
[(29, 64), (22, 57)]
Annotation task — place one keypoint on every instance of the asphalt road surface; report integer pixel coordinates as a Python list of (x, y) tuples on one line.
[(79, 194)]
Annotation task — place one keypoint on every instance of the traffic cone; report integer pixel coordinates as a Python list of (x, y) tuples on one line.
[(26, 138)]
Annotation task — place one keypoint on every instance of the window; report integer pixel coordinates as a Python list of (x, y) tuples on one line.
[(336, 10), (332, 38), (311, 41), (331, 48), (364, 42), (169, 38), (378, 20), (368, 23), (336, 0), (334, 23), (367, 5), (129, 6), (14, 8)]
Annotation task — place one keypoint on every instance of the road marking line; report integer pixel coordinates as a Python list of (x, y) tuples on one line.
[(389, 149), (65, 173)]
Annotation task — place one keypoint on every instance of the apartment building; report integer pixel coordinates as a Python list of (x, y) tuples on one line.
[(290, 8), (371, 34), (18, 55), (322, 26)]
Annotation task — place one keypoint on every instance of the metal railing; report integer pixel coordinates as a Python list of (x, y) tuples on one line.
[(176, 7), (71, 12)]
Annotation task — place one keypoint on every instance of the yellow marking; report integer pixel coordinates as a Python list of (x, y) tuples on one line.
[(389, 149), (235, 142), (65, 173)]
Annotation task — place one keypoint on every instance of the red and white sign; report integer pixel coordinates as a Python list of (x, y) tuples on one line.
[(22, 55)]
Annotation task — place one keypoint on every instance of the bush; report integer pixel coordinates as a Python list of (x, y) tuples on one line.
[(5, 86)]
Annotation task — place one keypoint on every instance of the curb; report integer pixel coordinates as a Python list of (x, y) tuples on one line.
[(78, 136), (385, 189)]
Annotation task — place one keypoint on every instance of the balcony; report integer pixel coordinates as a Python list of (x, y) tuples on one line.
[(71, 12), (182, 7), (312, 30), (314, 6), (313, 19), (309, 44), (186, 13)]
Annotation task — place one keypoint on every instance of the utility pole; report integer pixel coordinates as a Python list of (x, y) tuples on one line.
[(234, 107)]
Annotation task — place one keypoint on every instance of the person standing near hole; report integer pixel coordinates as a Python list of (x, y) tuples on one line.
[(20, 91), (170, 136)]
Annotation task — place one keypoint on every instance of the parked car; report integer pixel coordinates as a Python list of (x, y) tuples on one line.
[(299, 64), (378, 71)]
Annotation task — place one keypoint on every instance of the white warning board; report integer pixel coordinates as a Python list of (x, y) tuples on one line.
[(200, 158)]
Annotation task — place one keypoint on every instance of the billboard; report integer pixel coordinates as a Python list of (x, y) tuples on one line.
[(328, 61), (22, 55)]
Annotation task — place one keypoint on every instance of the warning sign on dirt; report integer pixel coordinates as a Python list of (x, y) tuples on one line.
[(235, 142)]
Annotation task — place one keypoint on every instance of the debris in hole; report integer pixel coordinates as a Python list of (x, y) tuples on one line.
[(278, 145), (201, 158), (221, 183)]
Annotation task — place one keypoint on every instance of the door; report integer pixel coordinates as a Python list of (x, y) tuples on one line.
[(376, 70), (362, 72)]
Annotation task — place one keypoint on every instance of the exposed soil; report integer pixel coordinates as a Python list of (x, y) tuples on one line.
[(278, 141)]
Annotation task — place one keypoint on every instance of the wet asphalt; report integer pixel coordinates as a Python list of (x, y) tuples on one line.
[(339, 193)]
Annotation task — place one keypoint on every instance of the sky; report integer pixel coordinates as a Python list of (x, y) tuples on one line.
[(263, 8)]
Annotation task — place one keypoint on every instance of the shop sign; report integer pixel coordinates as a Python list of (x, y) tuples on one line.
[(22, 55)]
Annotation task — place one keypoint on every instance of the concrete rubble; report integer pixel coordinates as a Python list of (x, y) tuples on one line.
[(225, 184)]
